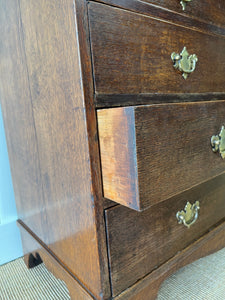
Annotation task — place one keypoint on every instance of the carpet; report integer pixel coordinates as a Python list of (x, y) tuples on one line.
[(201, 280), (19, 283)]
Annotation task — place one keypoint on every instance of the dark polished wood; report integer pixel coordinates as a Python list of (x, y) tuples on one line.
[(210, 11), (132, 54), (117, 100), (42, 96), (196, 14), (141, 242), (62, 60), (93, 142), (35, 253), (148, 287), (150, 153)]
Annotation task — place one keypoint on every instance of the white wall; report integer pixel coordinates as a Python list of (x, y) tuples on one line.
[(10, 241)]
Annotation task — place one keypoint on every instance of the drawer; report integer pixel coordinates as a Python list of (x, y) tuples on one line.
[(132, 54), (140, 242), (210, 11), (150, 153)]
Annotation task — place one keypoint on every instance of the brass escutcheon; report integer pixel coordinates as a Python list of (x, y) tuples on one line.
[(189, 215), (184, 3), (184, 62), (218, 142)]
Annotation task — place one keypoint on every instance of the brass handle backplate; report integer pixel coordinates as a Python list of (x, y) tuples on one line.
[(218, 142), (189, 215), (183, 3), (184, 62)]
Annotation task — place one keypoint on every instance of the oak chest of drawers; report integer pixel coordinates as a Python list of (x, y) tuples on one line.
[(114, 114)]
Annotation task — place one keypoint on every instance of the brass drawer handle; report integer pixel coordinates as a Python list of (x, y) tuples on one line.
[(189, 215), (184, 62), (183, 3), (218, 142)]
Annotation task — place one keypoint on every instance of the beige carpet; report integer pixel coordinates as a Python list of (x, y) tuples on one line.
[(19, 283), (202, 280)]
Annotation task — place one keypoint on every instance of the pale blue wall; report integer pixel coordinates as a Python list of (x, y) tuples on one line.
[(10, 241)]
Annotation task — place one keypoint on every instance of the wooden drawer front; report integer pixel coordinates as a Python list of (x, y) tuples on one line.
[(153, 152), (210, 11), (132, 54), (139, 242)]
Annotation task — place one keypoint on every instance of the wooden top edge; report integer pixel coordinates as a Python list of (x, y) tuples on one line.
[(120, 100), (164, 14)]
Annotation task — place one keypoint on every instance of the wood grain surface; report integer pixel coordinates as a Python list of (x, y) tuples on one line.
[(178, 17), (132, 54), (209, 11), (148, 287), (141, 242), (42, 99), (47, 97), (150, 153), (118, 156), (33, 248), (117, 100), (93, 142), (18, 116)]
